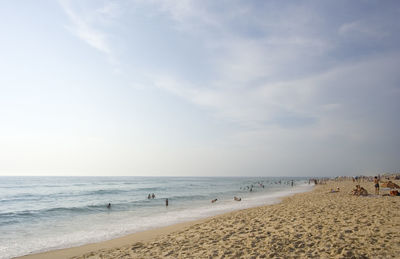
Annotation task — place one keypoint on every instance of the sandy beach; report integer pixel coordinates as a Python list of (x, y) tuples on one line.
[(317, 224)]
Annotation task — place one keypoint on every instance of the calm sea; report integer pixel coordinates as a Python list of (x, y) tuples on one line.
[(44, 213)]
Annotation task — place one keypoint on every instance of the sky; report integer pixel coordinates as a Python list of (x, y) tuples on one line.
[(199, 88)]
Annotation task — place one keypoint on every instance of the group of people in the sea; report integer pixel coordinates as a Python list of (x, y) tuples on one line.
[(250, 188), (150, 196), (153, 196), (260, 184)]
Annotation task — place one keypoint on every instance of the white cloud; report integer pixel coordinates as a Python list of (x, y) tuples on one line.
[(364, 29), (259, 80), (86, 24), (326, 98), (276, 79)]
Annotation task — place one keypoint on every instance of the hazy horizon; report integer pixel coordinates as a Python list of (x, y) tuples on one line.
[(199, 88)]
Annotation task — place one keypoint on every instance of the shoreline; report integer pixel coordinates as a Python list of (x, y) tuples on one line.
[(315, 224), (142, 236), (147, 235)]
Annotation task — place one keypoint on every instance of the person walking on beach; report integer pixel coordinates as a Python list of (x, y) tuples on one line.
[(109, 206), (376, 181), (166, 202)]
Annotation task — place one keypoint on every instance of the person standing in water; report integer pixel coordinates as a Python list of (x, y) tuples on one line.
[(166, 202)]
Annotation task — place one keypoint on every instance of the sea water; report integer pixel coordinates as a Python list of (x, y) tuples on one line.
[(44, 213)]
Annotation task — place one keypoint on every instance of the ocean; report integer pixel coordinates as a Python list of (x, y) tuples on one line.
[(44, 213)]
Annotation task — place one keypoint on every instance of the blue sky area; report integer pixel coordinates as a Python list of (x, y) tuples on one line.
[(199, 88)]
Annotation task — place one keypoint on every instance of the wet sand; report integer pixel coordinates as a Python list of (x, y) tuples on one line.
[(317, 224)]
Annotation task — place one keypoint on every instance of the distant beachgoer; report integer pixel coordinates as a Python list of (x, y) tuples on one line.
[(394, 193), (149, 196), (363, 192), (376, 181), (166, 202), (109, 206), (214, 200), (292, 183), (359, 191), (333, 191), (153, 196)]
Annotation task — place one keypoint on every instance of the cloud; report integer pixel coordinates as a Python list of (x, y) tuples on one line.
[(290, 73), (288, 69), (329, 98), (362, 29), (87, 22), (263, 87)]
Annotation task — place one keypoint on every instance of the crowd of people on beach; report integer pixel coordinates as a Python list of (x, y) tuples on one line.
[(357, 191), (377, 181)]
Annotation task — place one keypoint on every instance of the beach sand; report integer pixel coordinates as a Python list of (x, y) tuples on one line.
[(316, 224)]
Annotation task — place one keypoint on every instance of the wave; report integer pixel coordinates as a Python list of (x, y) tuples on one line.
[(38, 196), (105, 192), (23, 215), (86, 209), (136, 191), (17, 216)]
